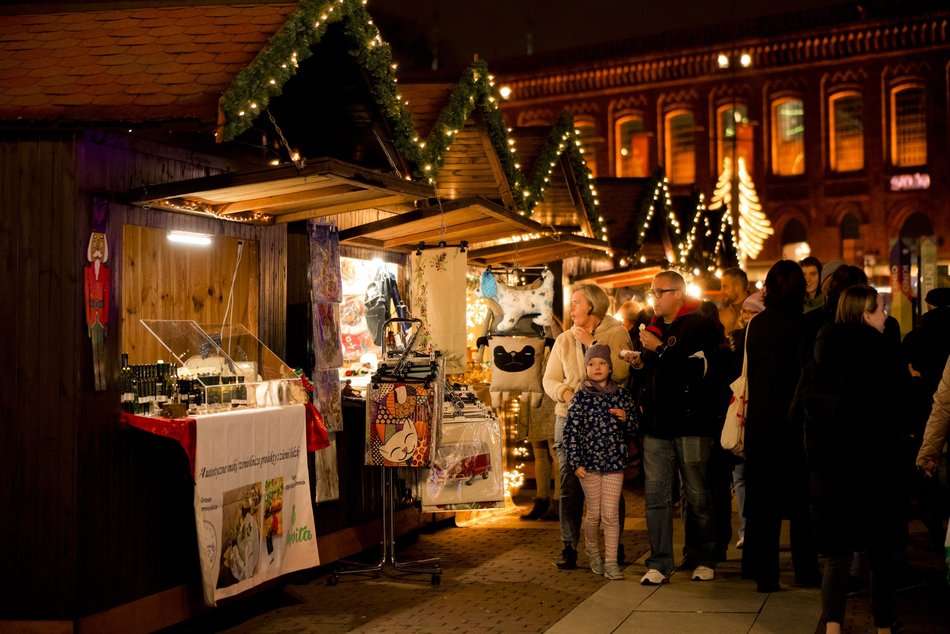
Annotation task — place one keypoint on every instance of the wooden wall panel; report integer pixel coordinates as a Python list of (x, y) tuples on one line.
[(163, 280), (39, 398)]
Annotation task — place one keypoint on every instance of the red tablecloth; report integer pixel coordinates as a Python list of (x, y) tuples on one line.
[(183, 430), (180, 429)]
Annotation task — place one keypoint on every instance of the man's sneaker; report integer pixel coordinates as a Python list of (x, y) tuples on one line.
[(703, 573), (653, 577)]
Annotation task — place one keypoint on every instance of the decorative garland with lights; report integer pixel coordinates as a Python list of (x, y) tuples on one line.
[(253, 88)]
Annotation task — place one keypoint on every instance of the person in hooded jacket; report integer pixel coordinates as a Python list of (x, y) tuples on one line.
[(850, 434)]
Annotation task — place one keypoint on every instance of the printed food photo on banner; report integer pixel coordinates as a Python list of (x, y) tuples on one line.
[(241, 534), (273, 518)]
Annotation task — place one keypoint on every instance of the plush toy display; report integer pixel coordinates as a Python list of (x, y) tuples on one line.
[(516, 367), (510, 303)]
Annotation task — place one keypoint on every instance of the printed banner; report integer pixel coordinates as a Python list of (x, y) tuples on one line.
[(902, 307), (928, 269), (252, 499)]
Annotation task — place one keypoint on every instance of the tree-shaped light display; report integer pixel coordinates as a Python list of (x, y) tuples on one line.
[(754, 226)]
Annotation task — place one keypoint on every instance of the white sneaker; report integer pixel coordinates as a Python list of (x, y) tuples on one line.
[(703, 573), (653, 577)]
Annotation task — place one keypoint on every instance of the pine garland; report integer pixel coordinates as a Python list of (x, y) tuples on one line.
[(253, 88)]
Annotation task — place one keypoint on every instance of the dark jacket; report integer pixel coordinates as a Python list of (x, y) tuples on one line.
[(680, 387), (776, 478), (593, 437), (850, 406)]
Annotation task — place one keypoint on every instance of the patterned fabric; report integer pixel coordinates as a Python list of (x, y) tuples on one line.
[(516, 302), (327, 342), (326, 481), (328, 399), (402, 423), (595, 439), (327, 280), (602, 492), (438, 299)]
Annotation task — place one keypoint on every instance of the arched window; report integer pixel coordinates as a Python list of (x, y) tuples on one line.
[(850, 236), (788, 137), (795, 241), (734, 136), (846, 132), (916, 226), (633, 146), (908, 126), (590, 139), (680, 147)]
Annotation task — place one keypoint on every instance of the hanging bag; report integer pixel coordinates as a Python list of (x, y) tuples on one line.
[(733, 430)]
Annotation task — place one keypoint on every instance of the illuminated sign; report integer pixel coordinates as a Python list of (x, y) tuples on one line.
[(904, 182)]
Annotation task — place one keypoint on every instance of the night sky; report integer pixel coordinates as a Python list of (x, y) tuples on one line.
[(497, 29)]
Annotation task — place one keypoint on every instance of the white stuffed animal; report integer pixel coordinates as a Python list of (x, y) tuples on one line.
[(515, 302)]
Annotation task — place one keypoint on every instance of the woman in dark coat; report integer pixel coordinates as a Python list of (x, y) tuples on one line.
[(775, 471), (851, 429)]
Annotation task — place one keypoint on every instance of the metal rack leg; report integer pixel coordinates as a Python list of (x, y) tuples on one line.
[(388, 544)]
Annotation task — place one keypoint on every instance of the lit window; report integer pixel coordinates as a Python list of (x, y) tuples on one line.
[(846, 134), (633, 147), (680, 147), (590, 141), (850, 237), (734, 136), (788, 137), (908, 127)]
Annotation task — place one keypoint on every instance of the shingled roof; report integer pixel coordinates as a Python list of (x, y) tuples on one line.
[(133, 64)]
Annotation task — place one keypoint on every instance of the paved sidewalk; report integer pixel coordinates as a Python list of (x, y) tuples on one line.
[(498, 577)]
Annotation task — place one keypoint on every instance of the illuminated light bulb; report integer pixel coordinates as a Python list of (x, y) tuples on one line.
[(745, 60), (253, 106), (427, 167), (723, 60), (273, 81), (241, 113), (295, 156)]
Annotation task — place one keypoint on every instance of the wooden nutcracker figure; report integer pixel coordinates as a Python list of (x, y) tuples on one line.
[(96, 291)]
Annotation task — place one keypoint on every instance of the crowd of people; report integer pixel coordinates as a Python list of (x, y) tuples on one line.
[(824, 448)]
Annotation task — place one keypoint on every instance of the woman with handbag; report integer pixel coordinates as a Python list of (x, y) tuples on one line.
[(849, 407)]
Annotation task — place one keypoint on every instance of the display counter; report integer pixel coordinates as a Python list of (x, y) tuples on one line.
[(253, 513)]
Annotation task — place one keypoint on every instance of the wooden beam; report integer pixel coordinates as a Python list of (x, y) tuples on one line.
[(322, 211), (266, 203)]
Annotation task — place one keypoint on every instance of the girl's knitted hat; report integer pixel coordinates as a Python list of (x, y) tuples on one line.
[(601, 350)]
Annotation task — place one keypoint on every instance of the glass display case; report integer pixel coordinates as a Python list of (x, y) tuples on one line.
[(221, 367)]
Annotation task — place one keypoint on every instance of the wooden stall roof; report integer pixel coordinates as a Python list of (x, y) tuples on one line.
[(470, 165), (622, 277), (284, 194), (473, 220), (562, 207), (542, 250), (129, 63)]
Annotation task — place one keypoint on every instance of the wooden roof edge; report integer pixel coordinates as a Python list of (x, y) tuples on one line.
[(364, 176)]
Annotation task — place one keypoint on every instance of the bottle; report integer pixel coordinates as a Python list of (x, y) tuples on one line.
[(125, 395)]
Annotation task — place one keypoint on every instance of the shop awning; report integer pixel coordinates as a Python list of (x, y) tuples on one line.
[(542, 250), (323, 187), (473, 220), (622, 277)]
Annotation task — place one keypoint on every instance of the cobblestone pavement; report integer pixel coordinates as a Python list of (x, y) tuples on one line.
[(498, 576)]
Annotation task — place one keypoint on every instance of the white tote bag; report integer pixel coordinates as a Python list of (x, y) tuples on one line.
[(733, 430)]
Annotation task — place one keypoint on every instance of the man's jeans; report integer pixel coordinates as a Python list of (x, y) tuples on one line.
[(661, 459)]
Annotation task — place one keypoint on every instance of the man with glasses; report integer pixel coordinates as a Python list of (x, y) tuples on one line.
[(679, 416)]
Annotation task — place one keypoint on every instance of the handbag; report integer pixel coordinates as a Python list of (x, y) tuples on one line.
[(733, 430)]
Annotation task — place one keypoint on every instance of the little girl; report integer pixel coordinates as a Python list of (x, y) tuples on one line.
[(599, 424)]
